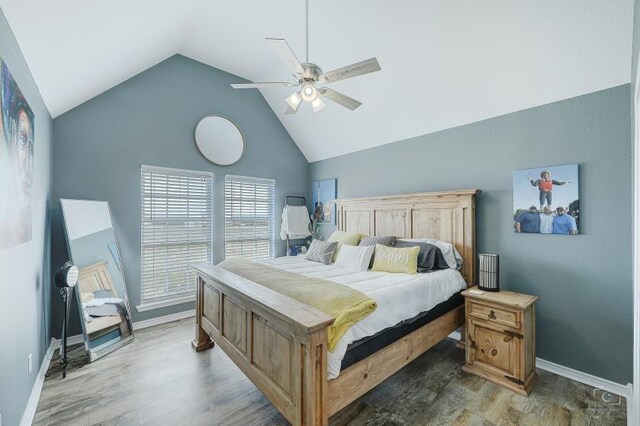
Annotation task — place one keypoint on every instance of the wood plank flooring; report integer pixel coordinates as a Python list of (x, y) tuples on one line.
[(159, 380)]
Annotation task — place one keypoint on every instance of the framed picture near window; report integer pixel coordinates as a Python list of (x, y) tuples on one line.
[(545, 200), (323, 197)]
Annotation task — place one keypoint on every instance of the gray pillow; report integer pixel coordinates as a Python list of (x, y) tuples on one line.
[(386, 240), (430, 257), (321, 251)]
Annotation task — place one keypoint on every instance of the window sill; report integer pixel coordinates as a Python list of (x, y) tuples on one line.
[(163, 304)]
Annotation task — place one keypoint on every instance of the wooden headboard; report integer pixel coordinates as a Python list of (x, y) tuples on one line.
[(448, 216)]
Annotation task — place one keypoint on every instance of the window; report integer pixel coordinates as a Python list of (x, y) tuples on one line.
[(249, 217), (176, 231)]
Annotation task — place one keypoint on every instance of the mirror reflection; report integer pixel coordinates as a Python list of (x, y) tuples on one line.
[(101, 291)]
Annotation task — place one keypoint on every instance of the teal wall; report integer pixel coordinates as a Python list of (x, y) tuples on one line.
[(25, 278), (150, 119), (584, 316)]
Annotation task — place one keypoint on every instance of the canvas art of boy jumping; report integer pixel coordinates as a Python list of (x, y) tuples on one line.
[(545, 186)]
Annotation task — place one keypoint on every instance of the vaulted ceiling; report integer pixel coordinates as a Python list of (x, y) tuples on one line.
[(444, 63)]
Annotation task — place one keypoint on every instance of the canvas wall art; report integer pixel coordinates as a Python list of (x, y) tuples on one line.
[(323, 197), (545, 200), (16, 162)]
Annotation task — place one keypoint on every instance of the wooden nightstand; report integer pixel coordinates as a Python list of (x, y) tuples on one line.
[(501, 338)]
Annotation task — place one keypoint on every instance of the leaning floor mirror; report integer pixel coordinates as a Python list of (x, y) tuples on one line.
[(101, 291)]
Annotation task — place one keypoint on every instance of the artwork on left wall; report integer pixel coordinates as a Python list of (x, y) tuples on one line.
[(16, 162)]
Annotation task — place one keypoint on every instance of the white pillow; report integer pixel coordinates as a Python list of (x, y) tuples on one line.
[(449, 251), (355, 257)]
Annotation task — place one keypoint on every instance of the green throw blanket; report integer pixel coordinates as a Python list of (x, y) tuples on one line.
[(346, 305)]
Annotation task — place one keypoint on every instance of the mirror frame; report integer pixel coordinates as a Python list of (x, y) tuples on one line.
[(97, 354), (244, 142)]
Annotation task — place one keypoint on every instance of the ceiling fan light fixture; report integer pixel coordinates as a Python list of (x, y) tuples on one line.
[(317, 104), (309, 93), (308, 74), (294, 100)]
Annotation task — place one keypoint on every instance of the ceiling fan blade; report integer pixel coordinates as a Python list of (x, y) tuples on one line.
[(283, 50), (261, 85), (290, 111), (339, 98), (350, 71)]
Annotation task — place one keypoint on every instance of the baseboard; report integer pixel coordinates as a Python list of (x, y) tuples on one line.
[(34, 398), (624, 391), (139, 325), (71, 340)]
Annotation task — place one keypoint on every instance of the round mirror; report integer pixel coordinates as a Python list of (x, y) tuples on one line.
[(219, 140)]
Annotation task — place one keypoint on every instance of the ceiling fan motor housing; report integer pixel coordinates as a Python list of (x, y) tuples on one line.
[(312, 73)]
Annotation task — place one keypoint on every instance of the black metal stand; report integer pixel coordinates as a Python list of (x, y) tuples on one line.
[(67, 295)]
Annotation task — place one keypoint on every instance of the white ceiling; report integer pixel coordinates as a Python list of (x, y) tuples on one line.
[(444, 63)]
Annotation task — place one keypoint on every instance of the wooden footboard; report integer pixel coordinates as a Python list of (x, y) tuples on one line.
[(278, 342), (281, 345)]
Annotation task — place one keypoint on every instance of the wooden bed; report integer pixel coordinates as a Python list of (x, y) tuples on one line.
[(281, 344)]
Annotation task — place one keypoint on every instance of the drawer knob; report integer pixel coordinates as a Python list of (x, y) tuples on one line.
[(492, 314)]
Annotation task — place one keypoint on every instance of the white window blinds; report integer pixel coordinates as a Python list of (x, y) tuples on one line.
[(249, 217), (176, 230)]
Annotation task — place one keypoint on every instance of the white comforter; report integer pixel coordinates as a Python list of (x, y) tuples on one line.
[(399, 296)]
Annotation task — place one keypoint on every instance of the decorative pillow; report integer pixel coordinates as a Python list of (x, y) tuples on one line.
[(430, 257), (321, 251), (341, 237), (355, 257), (449, 251), (391, 259), (386, 240)]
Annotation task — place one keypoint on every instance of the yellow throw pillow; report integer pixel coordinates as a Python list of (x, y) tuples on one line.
[(348, 238), (391, 259)]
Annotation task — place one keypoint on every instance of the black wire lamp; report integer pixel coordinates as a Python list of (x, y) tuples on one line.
[(489, 272)]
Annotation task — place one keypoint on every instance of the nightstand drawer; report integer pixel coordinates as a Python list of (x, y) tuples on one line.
[(495, 314)]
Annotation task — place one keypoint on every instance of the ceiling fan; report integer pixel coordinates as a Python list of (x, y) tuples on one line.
[(308, 75)]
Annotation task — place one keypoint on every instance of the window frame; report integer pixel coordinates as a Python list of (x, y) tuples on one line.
[(168, 300), (272, 218)]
